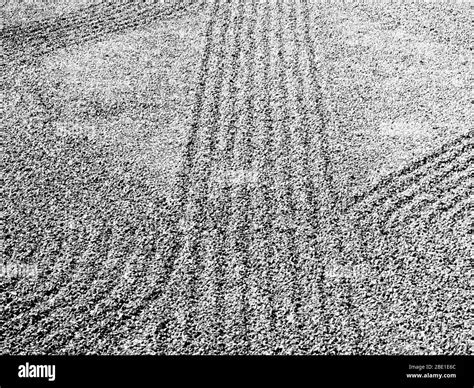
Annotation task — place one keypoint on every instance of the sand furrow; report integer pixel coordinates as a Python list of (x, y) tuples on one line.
[(195, 185), (93, 23)]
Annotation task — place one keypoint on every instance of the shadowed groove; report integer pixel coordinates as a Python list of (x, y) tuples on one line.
[(162, 305), (464, 205), (298, 155), (238, 227), (320, 111), (284, 222), (450, 199), (224, 160), (202, 78), (327, 201), (386, 214), (433, 187), (441, 156), (239, 254), (229, 310), (193, 222), (151, 271), (101, 243), (91, 23), (260, 282), (56, 281), (208, 249), (111, 291)]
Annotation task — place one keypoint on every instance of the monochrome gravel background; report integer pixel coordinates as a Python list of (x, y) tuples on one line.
[(206, 177)]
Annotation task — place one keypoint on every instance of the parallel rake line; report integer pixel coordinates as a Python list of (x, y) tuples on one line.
[(441, 207), (61, 285), (303, 212), (191, 191), (239, 238), (417, 167), (282, 208), (206, 249), (222, 214), (437, 187), (261, 199), (326, 161), (25, 43)]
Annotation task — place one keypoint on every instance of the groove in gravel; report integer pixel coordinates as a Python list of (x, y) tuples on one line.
[(305, 192), (456, 196), (223, 166), (323, 199), (422, 196), (88, 24), (83, 254), (260, 279), (205, 280), (283, 223), (238, 241), (458, 174), (296, 158), (195, 176), (413, 171), (148, 269)]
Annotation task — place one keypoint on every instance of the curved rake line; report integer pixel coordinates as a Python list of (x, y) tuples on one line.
[(347, 302), (94, 15), (96, 291), (437, 180), (63, 285), (167, 270), (190, 147), (245, 232), (412, 167), (222, 214), (198, 236), (322, 130), (414, 212), (268, 192), (325, 154), (33, 41), (62, 289), (282, 236), (182, 194), (439, 207), (304, 207), (261, 198), (96, 298), (464, 205), (48, 312), (237, 230), (158, 252)]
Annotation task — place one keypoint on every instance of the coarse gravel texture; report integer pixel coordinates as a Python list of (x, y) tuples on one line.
[(211, 177)]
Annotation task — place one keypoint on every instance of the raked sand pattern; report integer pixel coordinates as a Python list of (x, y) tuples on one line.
[(253, 249)]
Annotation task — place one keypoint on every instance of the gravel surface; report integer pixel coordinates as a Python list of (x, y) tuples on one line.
[(246, 178)]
